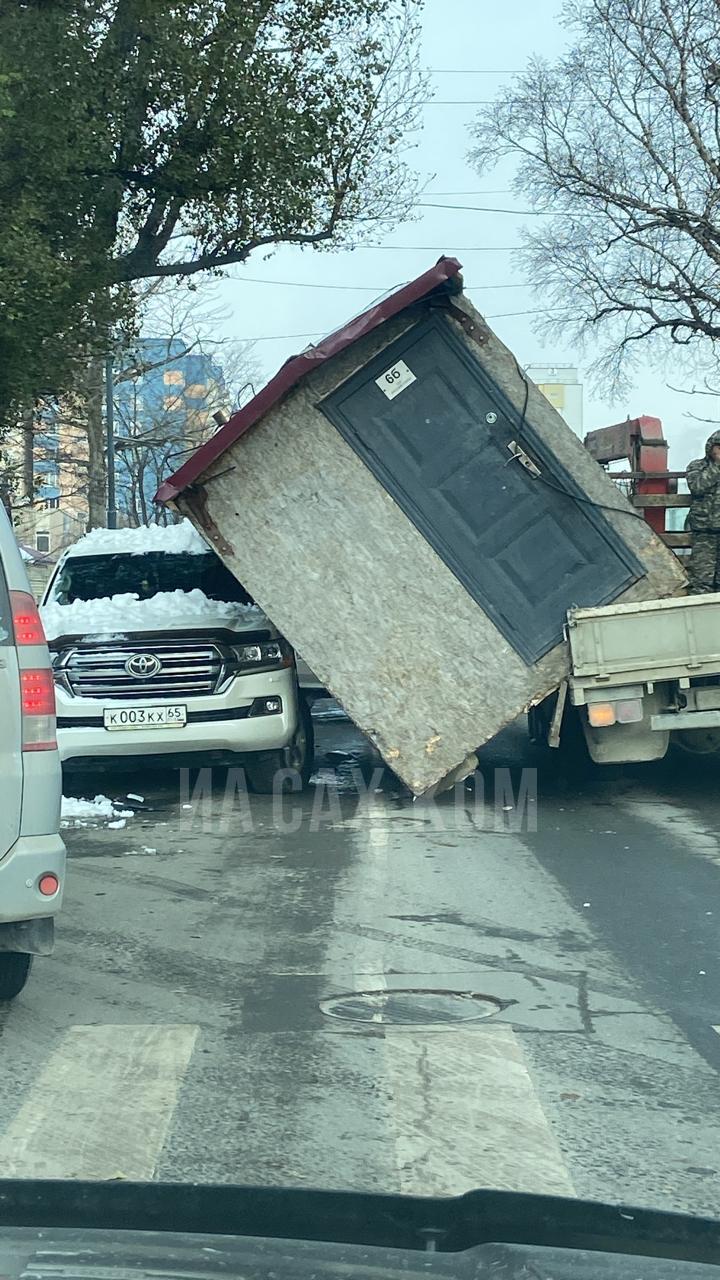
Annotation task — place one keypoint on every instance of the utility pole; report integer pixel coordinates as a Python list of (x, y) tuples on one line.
[(110, 443)]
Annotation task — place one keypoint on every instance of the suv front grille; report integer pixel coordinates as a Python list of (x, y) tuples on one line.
[(190, 670)]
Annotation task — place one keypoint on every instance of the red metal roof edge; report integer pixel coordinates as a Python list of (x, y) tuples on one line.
[(296, 367)]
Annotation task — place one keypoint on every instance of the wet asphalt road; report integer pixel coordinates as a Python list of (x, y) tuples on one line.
[(183, 1030)]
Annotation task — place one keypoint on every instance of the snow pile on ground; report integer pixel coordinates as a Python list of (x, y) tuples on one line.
[(172, 538), (90, 813), (117, 615)]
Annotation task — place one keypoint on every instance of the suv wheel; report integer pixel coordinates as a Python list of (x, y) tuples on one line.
[(15, 969), (298, 755)]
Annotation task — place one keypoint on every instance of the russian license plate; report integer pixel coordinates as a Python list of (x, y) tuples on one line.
[(145, 718)]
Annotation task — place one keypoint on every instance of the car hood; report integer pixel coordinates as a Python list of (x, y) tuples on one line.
[(118, 1230), (123, 1255)]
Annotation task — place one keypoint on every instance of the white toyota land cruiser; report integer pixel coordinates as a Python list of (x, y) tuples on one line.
[(158, 650)]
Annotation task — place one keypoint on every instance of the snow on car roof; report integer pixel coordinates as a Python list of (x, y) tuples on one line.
[(116, 615), (172, 538)]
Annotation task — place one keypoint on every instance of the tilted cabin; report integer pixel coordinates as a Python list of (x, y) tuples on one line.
[(416, 518)]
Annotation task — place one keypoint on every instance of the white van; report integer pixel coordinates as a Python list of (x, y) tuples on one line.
[(32, 855), (157, 650)]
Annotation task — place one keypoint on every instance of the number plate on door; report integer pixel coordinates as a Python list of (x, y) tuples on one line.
[(395, 379)]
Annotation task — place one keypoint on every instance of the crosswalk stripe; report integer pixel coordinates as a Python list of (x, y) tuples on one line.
[(466, 1114), (102, 1106), (462, 1108)]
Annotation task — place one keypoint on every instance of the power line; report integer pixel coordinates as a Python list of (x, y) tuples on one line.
[(539, 311), (287, 337), (470, 71), (311, 284), (356, 288), (436, 248), (476, 208), (473, 288), (497, 191)]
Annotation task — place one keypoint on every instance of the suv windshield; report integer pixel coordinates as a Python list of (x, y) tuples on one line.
[(94, 577)]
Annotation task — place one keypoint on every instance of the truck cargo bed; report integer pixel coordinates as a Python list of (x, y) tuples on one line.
[(647, 640)]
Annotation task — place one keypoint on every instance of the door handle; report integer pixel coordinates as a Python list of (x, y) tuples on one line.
[(522, 458)]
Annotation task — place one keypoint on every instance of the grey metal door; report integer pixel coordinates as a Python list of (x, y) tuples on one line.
[(434, 429)]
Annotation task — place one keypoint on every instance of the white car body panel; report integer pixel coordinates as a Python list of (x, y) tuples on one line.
[(30, 781)]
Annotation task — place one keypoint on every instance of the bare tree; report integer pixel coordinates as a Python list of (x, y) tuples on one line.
[(154, 436), (618, 153)]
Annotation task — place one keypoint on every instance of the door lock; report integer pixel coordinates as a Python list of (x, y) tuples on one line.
[(522, 458)]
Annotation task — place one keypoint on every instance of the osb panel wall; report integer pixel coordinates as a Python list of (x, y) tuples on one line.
[(356, 589)]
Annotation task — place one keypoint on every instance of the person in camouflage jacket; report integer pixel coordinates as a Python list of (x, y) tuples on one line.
[(703, 477)]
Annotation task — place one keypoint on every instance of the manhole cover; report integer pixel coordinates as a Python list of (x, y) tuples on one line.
[(411, 1007)]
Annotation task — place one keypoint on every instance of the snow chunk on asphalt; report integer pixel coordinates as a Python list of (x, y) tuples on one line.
[(128, 612), (89, 813), (173, 538)]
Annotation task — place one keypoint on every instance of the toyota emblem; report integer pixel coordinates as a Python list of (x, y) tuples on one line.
[(143, 665)]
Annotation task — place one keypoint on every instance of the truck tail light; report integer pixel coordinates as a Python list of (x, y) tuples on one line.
[(625, 711), (37, 695), (601, 714), (630, 711), (27, 623)]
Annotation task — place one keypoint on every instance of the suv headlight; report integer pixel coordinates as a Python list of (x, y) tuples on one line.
[(251, 657)]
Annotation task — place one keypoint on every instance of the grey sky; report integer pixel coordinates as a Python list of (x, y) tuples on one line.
[(465, 37)]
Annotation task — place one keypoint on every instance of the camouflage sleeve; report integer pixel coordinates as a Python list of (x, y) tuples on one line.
[(702, 476)]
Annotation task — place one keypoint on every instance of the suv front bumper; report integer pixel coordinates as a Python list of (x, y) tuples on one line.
[(226, 728)]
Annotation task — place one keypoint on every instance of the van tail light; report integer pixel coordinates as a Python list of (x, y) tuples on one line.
[(27, 623), (37, 688), (37, 693)]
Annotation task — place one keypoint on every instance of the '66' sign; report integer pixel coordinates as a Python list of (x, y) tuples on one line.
[(395, 379)]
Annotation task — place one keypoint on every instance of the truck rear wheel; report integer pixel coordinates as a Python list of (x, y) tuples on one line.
[(696, 742), (297, 757), (15, 969)]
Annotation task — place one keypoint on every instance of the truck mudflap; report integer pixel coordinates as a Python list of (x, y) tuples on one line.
[(33, 937)]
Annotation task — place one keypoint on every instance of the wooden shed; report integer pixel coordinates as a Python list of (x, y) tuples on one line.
[(417, 518)]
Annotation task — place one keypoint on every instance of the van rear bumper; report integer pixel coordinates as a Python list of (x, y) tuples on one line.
[(30, 858)]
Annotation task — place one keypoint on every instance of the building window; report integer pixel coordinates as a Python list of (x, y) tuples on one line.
[(51, 504), (196, 390), (171, 403), (174, 378), (42, 541)]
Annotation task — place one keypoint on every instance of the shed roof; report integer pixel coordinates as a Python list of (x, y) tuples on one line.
[(299, 366)]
